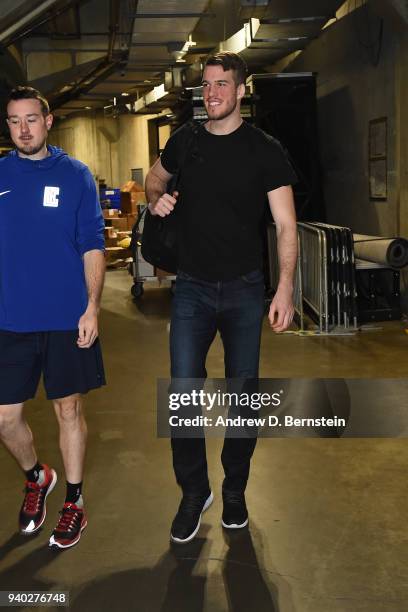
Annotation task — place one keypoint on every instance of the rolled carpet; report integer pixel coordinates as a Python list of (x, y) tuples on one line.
[(391, 252)]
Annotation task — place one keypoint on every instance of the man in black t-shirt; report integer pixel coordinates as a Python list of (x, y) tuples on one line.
[(220, 199)]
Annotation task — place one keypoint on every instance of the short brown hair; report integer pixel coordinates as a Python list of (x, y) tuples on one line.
[(23, 92), (229, 61)]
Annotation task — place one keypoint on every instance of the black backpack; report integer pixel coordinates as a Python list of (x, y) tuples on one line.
[(159, 238)]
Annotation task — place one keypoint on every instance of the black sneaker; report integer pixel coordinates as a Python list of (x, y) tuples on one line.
[(34, 509), (70, 526), (235, 513), (188, 518)]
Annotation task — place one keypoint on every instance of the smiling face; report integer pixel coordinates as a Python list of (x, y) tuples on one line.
[(28, 127), (221, 94)]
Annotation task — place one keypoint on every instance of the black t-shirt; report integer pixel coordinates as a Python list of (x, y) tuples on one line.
[(223, 185)]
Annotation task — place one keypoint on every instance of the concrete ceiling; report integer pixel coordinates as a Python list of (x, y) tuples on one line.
[(88, 53)]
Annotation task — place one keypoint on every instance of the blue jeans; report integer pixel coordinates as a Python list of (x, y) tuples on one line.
[(200, 308)]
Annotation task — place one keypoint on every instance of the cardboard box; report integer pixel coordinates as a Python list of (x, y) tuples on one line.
[(110, 212), (111, 242), (114, 253), (124, 234), (120, 223), (139, 197), (132, 186), (129, 202), (127, 205), (110, 233)]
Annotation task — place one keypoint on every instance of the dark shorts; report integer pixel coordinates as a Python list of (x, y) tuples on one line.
[(66, 368)]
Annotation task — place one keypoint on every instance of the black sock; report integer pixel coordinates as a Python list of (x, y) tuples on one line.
[(33, 474), (73, 492)]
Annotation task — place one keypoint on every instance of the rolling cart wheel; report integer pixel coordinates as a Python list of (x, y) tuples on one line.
[(137, 290)]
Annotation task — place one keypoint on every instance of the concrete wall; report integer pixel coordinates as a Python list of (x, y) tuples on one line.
[(78, 137), (351, 91), (133, 146), (110, 147), (402, 132)]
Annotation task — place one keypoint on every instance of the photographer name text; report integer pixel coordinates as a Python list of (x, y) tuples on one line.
[(269, 421)]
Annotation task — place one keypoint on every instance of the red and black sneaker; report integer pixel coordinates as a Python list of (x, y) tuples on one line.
[(34, 509), (70, 526)]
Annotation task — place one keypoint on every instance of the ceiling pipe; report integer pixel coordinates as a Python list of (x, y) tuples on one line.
[(104, 69), (172, 15), (114, 15), (7, 38)]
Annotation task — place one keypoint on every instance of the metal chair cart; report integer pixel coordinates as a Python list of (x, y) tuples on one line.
[(139, 268)]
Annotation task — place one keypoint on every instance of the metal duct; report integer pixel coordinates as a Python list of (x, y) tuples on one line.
[(7, 34), (159, 33)]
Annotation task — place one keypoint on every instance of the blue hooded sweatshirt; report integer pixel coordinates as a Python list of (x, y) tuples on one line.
[(49, 217)]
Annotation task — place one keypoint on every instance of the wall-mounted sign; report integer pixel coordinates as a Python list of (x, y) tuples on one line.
[(377, 158)]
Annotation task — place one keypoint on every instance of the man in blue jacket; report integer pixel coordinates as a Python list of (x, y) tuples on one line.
[(51, 278)]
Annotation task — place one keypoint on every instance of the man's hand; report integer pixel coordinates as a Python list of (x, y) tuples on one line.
[(88, 327), (164, 205), (281, 310)]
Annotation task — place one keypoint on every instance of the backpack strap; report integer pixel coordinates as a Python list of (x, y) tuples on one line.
[(189, 144)]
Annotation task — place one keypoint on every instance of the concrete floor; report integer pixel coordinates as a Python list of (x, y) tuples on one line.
[(327, 516)]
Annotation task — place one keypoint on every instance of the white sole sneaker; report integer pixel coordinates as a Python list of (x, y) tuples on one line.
[(207, 504), (28, 532), (54, 544), (234, 525)]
